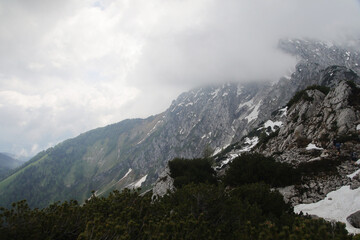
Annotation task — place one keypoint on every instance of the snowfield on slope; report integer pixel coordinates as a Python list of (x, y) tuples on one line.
[(336, 206)]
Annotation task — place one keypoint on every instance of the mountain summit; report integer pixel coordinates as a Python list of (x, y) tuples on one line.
[(133, 153)]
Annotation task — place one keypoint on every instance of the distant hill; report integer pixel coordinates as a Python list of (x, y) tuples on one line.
[(7, 163)]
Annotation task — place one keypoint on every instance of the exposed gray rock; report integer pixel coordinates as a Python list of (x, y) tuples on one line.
[(317, 121), (163, 185), (354, 219)]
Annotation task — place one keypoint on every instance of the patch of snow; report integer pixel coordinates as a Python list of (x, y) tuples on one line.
[(287, 77), (329, 44), (150, 132), (225, 94), (197, 92), (343, 203), (358, 127), (353, 174), (284, 111), (312, 146), (357, 162), (138, 183), (203, 136), (189, 104), (272, 124), (254, 113), (248, 103), (251, 143), (239, 90), (126, 174), (217, 150), (215, 93)]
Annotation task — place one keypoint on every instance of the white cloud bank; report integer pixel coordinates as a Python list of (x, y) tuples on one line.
[(72, 65)]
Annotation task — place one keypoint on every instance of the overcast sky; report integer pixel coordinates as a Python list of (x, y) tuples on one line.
[(68, 66)]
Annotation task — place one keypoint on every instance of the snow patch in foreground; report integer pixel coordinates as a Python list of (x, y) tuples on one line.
[(312, 146), (337, 205)]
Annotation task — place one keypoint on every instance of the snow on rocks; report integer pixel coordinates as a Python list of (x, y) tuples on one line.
[(138, 183), (254, 113), (284, 111), (272, 125), (353, 174), (312, 146), (249, 144), (126, 174), (337, 206)]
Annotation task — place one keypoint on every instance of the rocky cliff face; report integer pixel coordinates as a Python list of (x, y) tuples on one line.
[(304, 132), (308, 134), (213, 116), (318, 119)]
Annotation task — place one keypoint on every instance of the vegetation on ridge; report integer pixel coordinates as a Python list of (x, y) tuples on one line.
[(193, 211), (303, 94)]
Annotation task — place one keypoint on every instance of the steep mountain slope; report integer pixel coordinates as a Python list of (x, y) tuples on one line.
[(7, 163), (314, 123), (134, 152)]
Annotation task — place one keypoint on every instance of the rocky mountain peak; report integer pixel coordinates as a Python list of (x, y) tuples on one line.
[(215, 117), (316, 118)]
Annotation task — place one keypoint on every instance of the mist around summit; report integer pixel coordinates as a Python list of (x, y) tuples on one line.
[(70, 66)]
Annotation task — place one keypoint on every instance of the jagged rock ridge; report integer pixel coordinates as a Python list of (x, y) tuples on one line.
[(214, 116)]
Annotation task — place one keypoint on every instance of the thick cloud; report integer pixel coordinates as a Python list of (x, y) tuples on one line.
[(72, 65)]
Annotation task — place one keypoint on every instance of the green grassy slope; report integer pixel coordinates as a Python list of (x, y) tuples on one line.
[(72, 169)]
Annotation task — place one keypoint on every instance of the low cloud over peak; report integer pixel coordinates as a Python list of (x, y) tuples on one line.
[(69, 66)]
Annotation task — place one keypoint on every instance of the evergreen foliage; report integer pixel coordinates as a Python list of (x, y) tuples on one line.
[(194, 211), (252, 168), (354, 98), (303, 94), (185, 171)]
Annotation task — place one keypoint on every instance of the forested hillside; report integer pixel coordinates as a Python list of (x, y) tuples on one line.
[(200, 208)]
